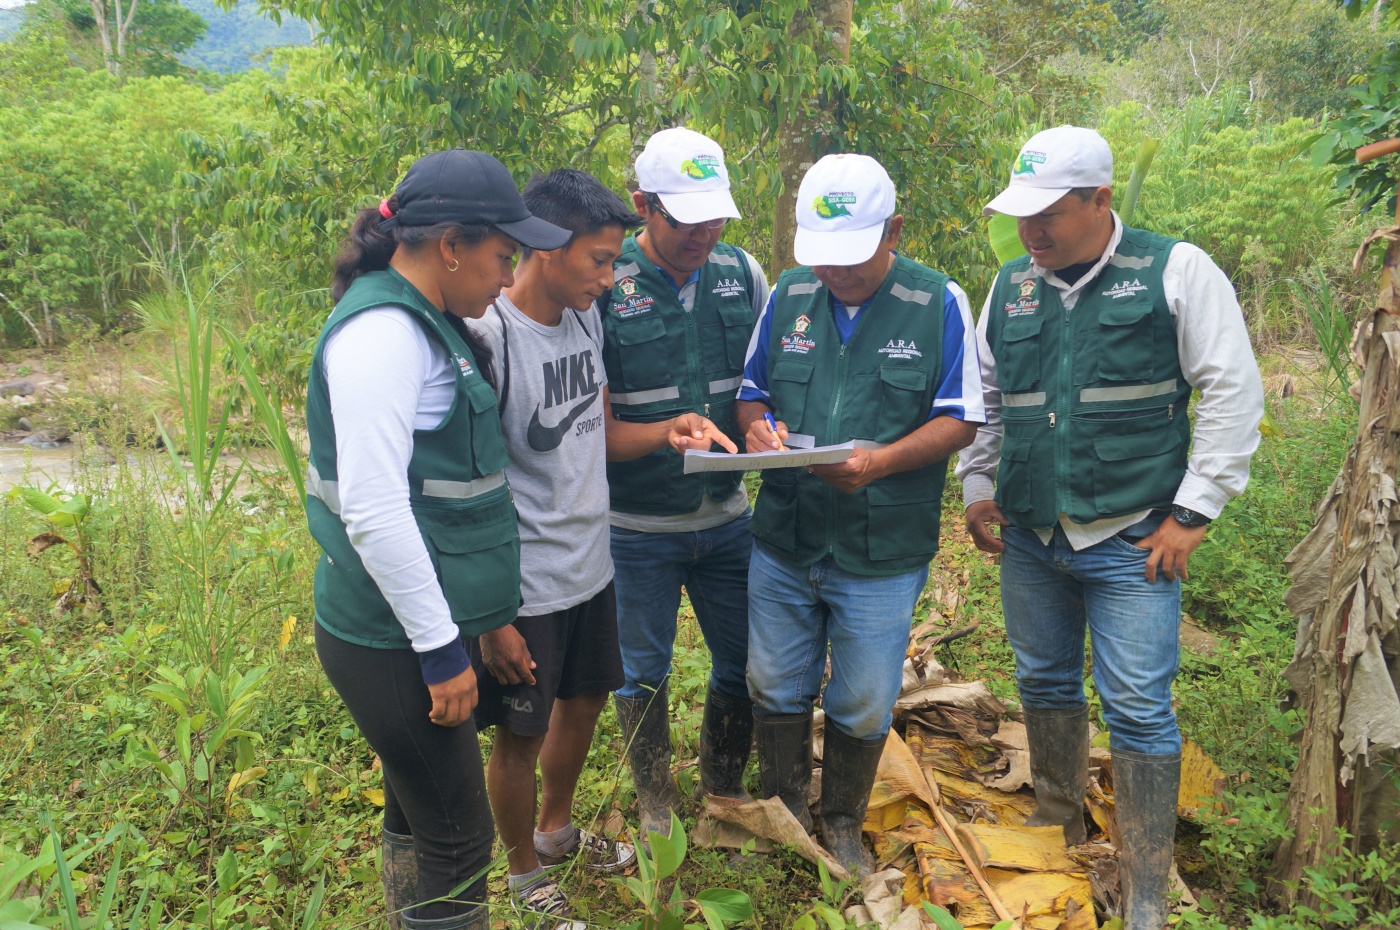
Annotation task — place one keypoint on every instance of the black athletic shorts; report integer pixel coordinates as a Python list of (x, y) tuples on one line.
[(575, 652)]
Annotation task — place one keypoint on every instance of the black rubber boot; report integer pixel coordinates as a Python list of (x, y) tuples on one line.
[(848, 774), (1059, 745), (726, 736), (646, 726), (399, 870), (1144, 794), (785, 761), (477, 918)]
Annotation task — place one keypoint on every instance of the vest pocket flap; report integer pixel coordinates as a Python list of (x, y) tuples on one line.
[(799, 372), (471, 537), (1015, 450), (903, 492), (1021, 327), (910, 379), (636, 332), (1121, 448), (480, 396), (1125, 314), (732, 313)]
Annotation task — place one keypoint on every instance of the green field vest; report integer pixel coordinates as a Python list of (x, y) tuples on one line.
[(879, 386), (662, 362), (457, 491), (1093, 399)]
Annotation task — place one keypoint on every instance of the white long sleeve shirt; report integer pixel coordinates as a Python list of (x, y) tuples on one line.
[(386, 379), (1215, 356)]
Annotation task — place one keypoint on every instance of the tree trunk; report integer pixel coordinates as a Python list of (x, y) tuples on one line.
[(123, 27), (808, 127), (1344, 593), (99, 17)]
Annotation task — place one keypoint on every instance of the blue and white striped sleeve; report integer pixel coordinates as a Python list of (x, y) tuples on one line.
[(755, 385), (959, 394)]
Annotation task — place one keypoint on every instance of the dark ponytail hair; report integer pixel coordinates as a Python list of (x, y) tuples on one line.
[(369, 248)]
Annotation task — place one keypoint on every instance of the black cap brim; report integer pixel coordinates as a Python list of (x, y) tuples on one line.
[(535, 233)]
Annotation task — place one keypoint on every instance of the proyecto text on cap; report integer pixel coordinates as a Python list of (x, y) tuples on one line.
[(842, 205), (685, 169), (1051, 164), (467, 187)]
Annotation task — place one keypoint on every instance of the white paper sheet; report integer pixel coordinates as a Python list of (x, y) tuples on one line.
[(696, 461)]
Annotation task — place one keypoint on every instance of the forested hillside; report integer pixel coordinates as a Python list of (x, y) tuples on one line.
[(167, 235)]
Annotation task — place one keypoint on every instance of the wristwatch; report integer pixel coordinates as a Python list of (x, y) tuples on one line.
[(1189, 518)]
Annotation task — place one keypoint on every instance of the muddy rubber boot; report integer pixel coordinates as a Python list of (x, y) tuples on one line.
[(1059, 745), (646, 727), (1144, 793), (398, 868), (848, 774), (726, 736), (785, 761), (477, 918)]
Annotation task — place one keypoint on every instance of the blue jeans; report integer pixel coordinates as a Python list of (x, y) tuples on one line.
[(713, 566), (1049, 594), (795, 612)]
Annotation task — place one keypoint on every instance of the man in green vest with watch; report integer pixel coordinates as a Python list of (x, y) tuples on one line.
[(860, 343), (675, 330), (1091, 346)]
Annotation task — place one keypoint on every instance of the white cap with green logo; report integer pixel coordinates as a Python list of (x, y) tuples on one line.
[(842, 205), (1052, 164), (685, 169)]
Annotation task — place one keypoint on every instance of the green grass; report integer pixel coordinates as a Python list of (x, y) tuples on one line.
[(79, 725)]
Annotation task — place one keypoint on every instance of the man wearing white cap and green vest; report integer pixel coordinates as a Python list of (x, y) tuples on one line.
[(859, 343), (675, 331), (1091, 346)]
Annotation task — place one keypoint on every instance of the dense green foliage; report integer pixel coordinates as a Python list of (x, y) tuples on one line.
[(240, 38)]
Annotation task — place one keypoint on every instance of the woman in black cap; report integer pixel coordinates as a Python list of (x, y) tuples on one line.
[(406, 493)]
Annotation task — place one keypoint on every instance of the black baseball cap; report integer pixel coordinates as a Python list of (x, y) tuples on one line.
[(463, 186)]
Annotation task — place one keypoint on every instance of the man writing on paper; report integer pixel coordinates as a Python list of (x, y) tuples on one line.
[(860, 343), (1091, 345)]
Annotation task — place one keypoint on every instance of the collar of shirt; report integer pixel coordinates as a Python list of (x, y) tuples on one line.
[(691, 279), (1070, 292)]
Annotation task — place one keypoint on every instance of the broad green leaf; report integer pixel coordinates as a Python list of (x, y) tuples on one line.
[(1006, 242), (37, 499), (941, 918), (726, 904), (227, 869)]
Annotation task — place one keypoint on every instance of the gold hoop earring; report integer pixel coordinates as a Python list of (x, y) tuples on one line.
[(454, 266)]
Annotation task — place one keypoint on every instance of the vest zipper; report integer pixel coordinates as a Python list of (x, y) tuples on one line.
[(833, 425), (1060, 441), (692, 363)]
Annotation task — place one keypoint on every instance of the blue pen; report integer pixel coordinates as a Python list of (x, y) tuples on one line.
[(772, 424)]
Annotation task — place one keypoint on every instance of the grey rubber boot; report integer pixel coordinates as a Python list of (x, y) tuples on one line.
[(1059, 745), (399, 870), (646, 726), (848, 774), (477, 918), (1145, 789), (726, 738), (785, 761)]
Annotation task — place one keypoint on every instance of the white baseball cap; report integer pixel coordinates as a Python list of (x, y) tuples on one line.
[(1050, 165), (842, 205), (685, 169)]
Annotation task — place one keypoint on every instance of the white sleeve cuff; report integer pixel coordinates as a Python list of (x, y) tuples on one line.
[(977, 488), (1204, 497)]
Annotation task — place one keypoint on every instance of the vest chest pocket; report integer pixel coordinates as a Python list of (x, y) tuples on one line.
[(488, 445), (904, 401), (1018, 362), (1125, 349), (724, 343), (644, 358), (1131, 470), (787, 389)]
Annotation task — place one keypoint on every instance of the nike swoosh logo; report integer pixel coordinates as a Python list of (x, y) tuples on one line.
[(547, 438)]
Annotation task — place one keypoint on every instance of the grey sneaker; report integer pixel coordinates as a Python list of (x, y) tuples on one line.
[(543, 906), (598, 853)]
